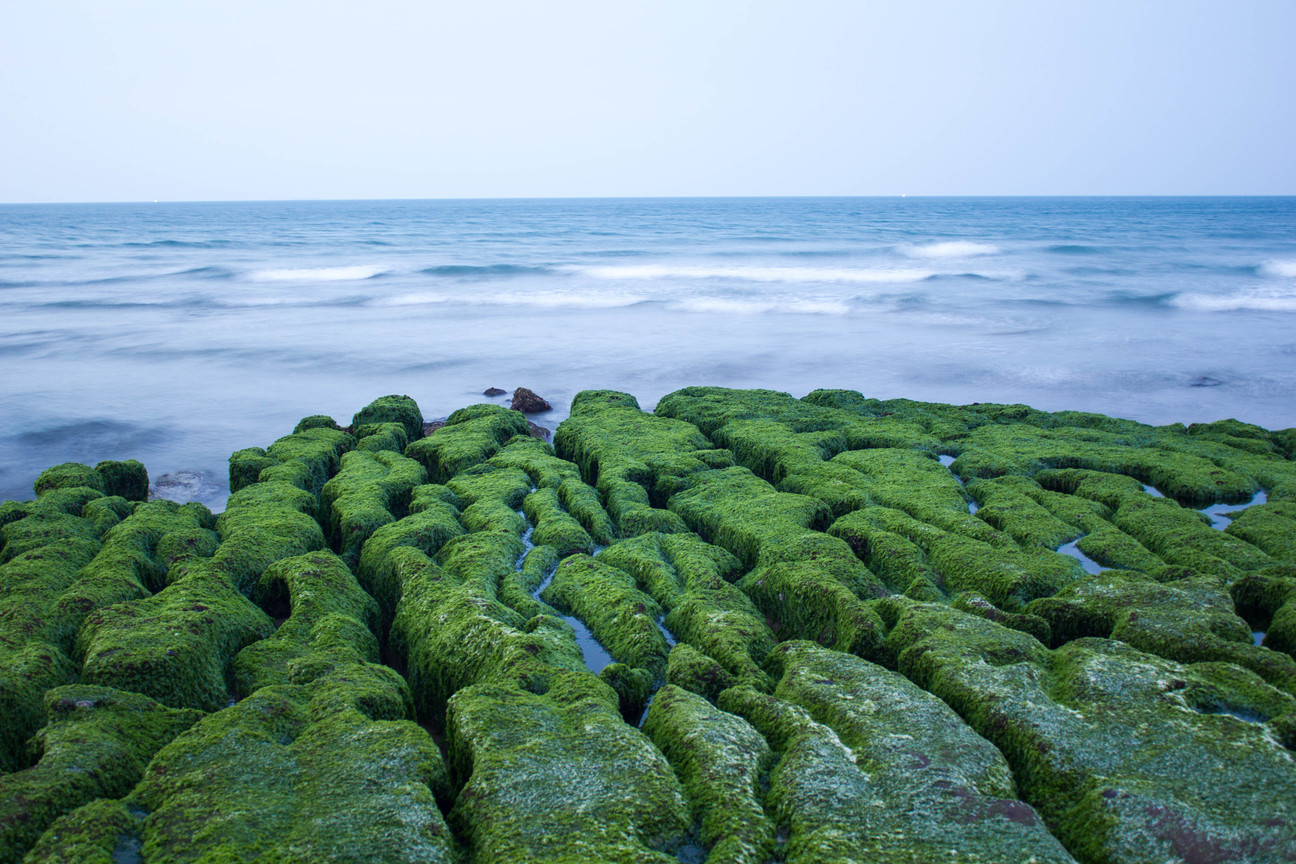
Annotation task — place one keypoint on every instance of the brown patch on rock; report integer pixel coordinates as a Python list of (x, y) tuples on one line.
[(493, 391), (538, 431), (431, 426), (528, 402)]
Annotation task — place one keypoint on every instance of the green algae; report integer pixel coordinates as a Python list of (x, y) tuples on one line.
[(127, 479), (874, 768), (469, 437), (330, 621), (559, 777), (622, 618), (371, 489), (391, 409), (1110, 744), (289, 774), (96, 744), (1267, 599), (721, 762), (554, 526)]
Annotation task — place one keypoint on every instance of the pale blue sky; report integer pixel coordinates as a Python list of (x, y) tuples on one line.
[(138, 99)]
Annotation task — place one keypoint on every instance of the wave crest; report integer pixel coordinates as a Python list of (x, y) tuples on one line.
[(349, 273), (758, 274), (1282, 268), (1257, 299), (948, 249)]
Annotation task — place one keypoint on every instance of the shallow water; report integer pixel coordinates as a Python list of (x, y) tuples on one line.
[(177, 333), (1090, 566), (1257, 637), (1221, 514)]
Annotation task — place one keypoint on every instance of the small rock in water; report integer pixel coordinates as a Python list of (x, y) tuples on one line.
[(494, 391), (185, 486), (528, 402), (1205, 381)]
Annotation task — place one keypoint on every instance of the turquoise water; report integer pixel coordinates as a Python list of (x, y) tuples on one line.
[(176, 333)]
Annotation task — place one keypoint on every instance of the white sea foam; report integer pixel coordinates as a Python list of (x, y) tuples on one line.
[(732, 306), (1260, 299), (948, 249), (543, 300), (759, 274), (318, 274), (1282, 268)]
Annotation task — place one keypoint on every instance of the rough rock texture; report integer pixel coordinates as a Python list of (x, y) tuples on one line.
[(528, 402), (850, 629)]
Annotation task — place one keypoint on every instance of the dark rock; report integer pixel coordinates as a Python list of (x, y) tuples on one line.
[(432, 425), (528, 402), (538, 431), (494, 391)]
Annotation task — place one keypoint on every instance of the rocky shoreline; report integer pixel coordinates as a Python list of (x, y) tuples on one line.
[(831, 629)]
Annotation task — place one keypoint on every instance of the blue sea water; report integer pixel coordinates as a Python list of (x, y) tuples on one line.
[(176, 333)]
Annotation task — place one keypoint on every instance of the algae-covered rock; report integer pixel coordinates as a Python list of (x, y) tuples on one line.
[(722, 762), (875, 769), (560, 777), (96, 744), (392, 409), (1112, 745), (128, 479), (69, 475), (177, 646), (297, 773), (470, 436)]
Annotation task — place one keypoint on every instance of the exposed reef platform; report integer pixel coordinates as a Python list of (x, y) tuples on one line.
[(742, 627)]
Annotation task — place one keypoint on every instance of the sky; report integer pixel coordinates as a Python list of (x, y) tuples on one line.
[(139, 100)]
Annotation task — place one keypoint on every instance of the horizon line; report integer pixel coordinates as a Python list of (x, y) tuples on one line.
[(901, 196)]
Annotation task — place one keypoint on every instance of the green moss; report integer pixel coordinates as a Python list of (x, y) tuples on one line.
[(330, 621), (896, 560), (560, 778), (427, 531), (176, 646), (43, 528), (1006, 507), (315, 421), (95, 745), (537, 459), (392, 409), (69, 475), (813, 587), (1189, 621), (622, 618), (307, 459), (690, 669), (928, 772), (261, 524), (516, 587), (1267, 599), (290, 774), (583, 502), (379, 437), (1105, 740), (370, 490), (634, 459), (101, 832), (1271, 527), (742, 513), (722, 762), (554, 526), (453, 634), (1008, 576), (246, 465), (1032, 622), (128, 479), (470, 436)]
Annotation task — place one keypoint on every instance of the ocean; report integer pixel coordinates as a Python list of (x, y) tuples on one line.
[(175, 333)]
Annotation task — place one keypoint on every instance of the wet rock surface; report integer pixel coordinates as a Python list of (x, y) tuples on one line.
[(745, 627), (528, 402)]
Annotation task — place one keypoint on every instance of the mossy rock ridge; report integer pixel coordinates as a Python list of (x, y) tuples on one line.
[(1111, 744), (874, 768), (560, 777), (95, 744)]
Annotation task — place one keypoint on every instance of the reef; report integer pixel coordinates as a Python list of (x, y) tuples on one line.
[(741, 627)]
